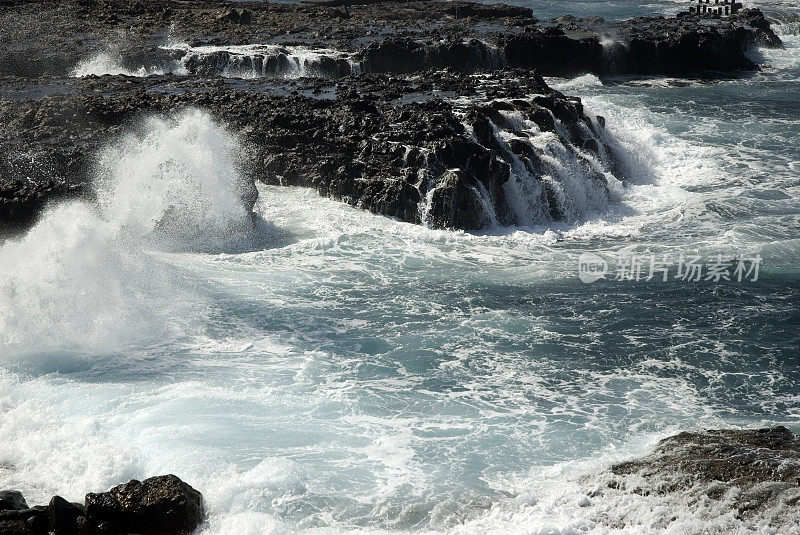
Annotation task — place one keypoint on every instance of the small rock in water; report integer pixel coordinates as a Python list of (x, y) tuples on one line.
[(601, 121)]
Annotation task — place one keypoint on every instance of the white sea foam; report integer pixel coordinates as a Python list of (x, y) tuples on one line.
[(783, 63), (110, 62), (659, 169), (579, 82), (81, 276), (253, 61), (367, 375), (285, 428), (582, 185), (232, 61), (176, 181), (71, 282), (575, 498)]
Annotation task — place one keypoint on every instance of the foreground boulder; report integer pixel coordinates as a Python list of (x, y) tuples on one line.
[(162, 505), (156, 506), (63, 516), (12, 500)]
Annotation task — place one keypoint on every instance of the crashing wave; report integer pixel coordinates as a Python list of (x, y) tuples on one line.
[(87, 273)]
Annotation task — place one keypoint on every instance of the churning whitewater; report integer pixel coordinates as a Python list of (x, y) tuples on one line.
[(315, 368)]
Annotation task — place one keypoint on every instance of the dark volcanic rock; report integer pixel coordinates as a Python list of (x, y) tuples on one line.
[(50, 38), (160, 505), (63, 516), (12, 526), (754, 469), (387, 144), (675, 46), (398, 145), (23, 521), (12, 500)]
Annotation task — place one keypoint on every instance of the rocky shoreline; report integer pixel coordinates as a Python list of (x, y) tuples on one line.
[(383, 143), (755, 472), (424, 111), (381, 37)]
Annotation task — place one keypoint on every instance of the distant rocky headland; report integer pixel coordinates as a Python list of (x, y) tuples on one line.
[(424, 111)]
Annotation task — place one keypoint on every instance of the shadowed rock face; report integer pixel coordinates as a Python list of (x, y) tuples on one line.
[(676, 46), (392, 145), (758, 468), (12, 500)]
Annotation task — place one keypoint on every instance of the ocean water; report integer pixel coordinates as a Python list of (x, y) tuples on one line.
[(320, 369)]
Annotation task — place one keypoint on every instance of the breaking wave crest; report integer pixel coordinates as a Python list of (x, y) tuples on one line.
[(109, 62), (176, 184)]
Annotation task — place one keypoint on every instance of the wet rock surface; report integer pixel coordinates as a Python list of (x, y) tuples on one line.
[(162, 505), (756, 470), (401, 108), (420, 147), (12, 500), (675, 46)]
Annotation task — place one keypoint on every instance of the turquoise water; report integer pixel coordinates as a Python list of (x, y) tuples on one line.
[(352, 373)]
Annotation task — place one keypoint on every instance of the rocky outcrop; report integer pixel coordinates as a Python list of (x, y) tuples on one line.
[(385, 37), (753, 471), (385, 115), (675, 46), (12, 500), (162, 505), (155, 506), (388, 144)]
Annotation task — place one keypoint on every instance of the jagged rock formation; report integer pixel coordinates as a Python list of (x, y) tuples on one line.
[(678, 46), (755, 473), (379, 142), (386, 37), (162, 505)]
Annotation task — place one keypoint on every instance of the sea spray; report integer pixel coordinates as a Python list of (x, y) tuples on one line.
[(176, 183), (264, 60), (87, 275), (110, 62)]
